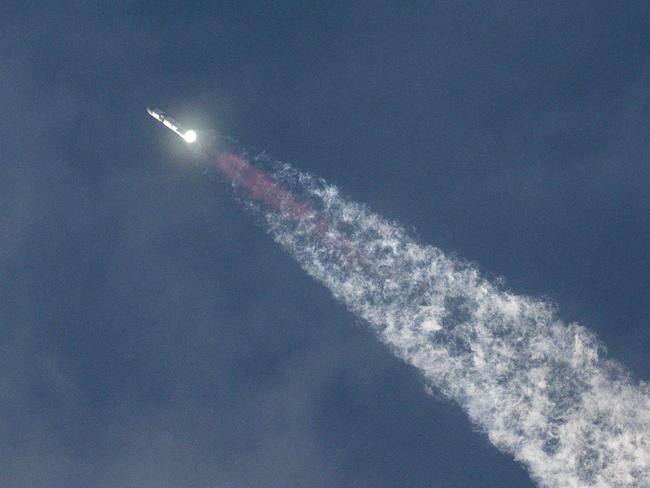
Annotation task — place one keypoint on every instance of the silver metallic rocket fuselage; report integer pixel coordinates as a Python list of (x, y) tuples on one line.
[(187, 135)]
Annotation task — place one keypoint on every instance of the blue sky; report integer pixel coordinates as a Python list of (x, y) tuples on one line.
[(152, 333)]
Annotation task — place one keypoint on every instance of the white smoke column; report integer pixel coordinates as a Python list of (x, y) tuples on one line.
[(540, 389)]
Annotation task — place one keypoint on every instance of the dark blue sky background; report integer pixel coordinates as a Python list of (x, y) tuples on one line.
[(151, 334)]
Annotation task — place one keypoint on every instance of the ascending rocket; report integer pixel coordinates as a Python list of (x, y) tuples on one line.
[(188, 136)]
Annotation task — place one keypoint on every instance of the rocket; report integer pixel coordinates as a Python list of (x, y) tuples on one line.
[(188, 136)]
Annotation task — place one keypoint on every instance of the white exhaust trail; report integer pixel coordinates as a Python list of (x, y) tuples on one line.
[(540, 389)]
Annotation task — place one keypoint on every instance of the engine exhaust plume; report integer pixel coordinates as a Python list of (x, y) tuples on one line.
[(540, 389)]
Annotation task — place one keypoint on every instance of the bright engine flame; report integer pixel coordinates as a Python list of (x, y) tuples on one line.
[(190, 136)]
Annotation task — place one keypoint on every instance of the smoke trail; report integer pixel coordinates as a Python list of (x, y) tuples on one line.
[(540, 389)]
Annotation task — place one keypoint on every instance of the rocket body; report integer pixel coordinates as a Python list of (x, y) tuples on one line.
[(188, 136)]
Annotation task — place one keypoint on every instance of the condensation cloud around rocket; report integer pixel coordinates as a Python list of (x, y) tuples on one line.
[(540, 389)]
